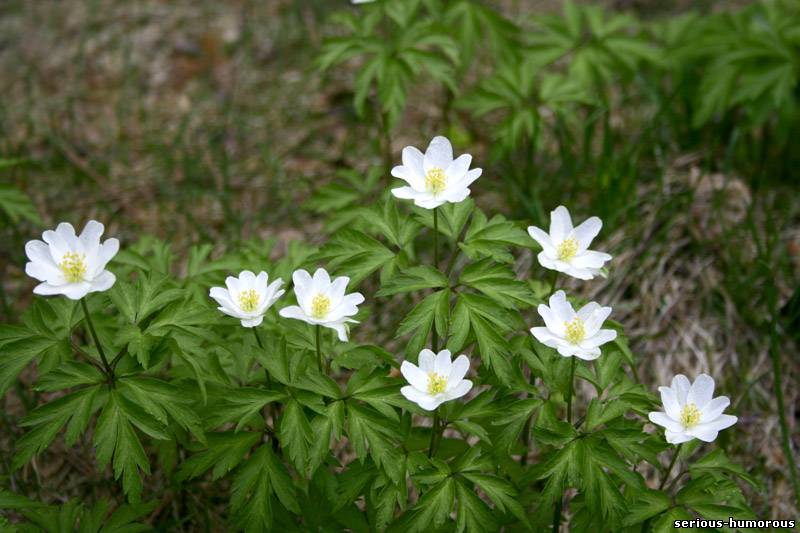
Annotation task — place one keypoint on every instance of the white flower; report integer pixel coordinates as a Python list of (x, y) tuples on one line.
[(71, 265), (434, 178), (691, 412), (436, 380), (565, 249), (572, 333), (322, 302), (247, 297)]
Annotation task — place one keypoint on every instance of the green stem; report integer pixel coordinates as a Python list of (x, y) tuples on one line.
[(434, 333), (571, 389), (570, 394), (553, 279), (669, 468), (261, 346), (776, 369), (109, 370), (320, 363), (557, 516), (434, 432)]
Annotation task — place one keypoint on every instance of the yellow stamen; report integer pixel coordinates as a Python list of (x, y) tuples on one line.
[(73, 265), (320, 306), (567, 249), (575, 331), (248, 300), (436, 383), (690, 415), (435, 181)]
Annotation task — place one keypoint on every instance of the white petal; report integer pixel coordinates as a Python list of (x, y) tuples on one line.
[(414, 180), (566, 349), (714, 408), (425, 360), (547, 337), (455, 195), (247, 280), (406, 193), (661, 419), (560, 224), (73, 291), (294, 311), (103, 282), (442, 364), (681, 386), (252, 322), (459, 390), (471, 176), (459, 369), (233, 285), (340, 328), (587, 354), (90, 236), (577, 272), (457, 170), (439, 154), (39, 252), (598, 339), (561, 307), (672, 405), (701, 391), (723, 422), (413, 161), (541, 237), (106, 253), (677, 437), (336, 289), (589, 259), (302, 286), (551, 320), (548, 262), (321, 281), (427, 201), (585, 232), (425, 401), (45, 271), (222, 297), (585, 314), (415, 376)]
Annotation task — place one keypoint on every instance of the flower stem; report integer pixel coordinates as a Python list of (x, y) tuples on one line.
[(320, 364), (775, 355), (434, 432), (109, 370), (553, 279), (261, 345), (669, 468), (570, 394), (434, 333), (571, 389)]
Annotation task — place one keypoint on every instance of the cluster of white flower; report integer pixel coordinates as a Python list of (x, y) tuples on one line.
[(74, 266)]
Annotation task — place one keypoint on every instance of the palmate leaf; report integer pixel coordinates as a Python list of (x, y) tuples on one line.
[(115, 438), (432, 310), (295, 434), (224, 452), (148, 294), (15, 204), (493, 238), (256, 481), (355, 253), (499, 283), (74, 410), (413, 279)]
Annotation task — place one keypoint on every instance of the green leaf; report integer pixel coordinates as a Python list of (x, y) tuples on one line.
[(240, 405), (224, 452), (492, 238), (499, 283), (114, 437), (295, 434), (75, 409), (15, 204), (421, 319), (413, 279), (355, 253), (647, 505)]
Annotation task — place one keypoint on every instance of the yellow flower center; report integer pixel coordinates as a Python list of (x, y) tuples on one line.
[(575, 331), (567, 249), (690, 415), (436, 383), (320, 306), (435, 181), (248, 300), (73, 265)]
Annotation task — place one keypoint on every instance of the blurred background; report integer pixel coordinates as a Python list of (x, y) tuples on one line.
[(675, 121)]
